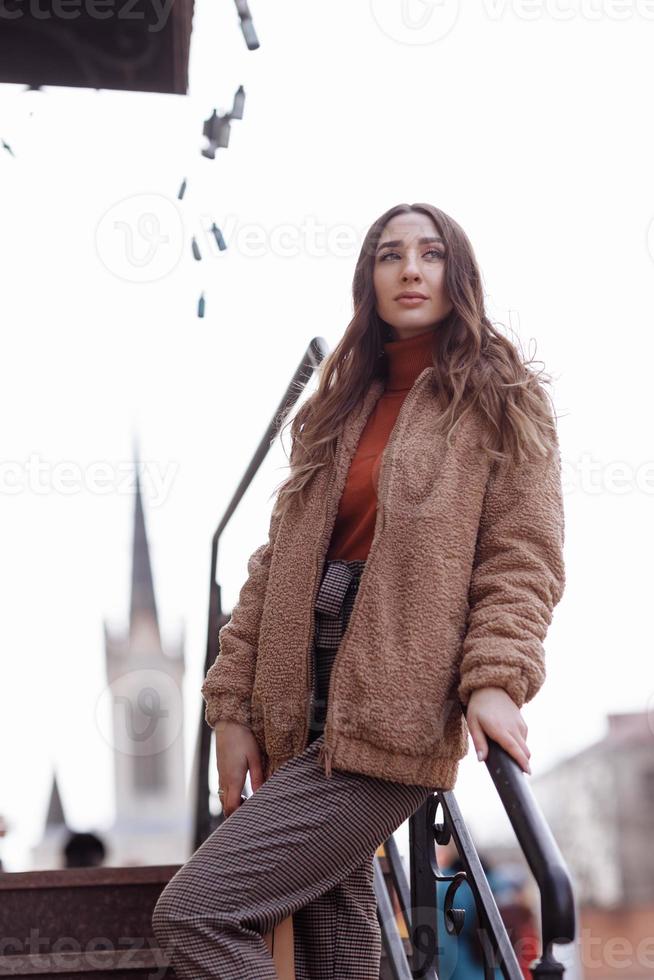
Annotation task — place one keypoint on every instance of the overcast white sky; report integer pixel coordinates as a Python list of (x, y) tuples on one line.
[(528, 124)]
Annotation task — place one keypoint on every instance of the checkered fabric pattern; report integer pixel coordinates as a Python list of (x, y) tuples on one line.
[(335, 599), (304, 845), (332, 609)]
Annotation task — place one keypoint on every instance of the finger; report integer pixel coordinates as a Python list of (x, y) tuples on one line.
[(228, 813), (478, 739), (520, 739), (256, 770), (231, 799), (515, 749)]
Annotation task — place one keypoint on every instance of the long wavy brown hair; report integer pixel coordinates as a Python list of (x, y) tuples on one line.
[(474, 364)]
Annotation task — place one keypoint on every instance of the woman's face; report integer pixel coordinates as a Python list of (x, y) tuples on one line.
[(411, 258)]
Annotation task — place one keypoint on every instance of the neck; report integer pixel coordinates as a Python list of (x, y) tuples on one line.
[(402, 333), (407, 358)]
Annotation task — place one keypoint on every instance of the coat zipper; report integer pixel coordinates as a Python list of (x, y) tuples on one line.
[(327, 750)]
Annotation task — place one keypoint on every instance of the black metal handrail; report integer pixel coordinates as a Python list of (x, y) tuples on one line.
[(311, 359), (558, 919), (543, 856)]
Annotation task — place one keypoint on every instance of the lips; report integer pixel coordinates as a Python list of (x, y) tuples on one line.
[(411, 300), (410, 296)]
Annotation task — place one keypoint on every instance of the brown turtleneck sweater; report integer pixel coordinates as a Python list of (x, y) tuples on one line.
[(357, 511)]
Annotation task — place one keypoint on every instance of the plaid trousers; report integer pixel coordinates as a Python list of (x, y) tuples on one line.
[(301, 845)]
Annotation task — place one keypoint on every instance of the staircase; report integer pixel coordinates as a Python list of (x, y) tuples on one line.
[(87, 924), (82, 922)]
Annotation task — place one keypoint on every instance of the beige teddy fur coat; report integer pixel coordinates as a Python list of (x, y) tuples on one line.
[(464, 571)]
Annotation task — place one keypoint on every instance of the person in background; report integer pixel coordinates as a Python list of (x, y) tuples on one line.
[(462, 956), (513, 893), (84, 850)]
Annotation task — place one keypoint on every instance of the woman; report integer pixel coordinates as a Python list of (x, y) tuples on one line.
[(414, 559)]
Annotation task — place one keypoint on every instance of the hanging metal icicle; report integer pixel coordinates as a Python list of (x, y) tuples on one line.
[(217, 128), (238, 103), (247, 25), (218, 235)]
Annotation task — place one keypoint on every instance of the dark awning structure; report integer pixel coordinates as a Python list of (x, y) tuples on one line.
[(132, 45)]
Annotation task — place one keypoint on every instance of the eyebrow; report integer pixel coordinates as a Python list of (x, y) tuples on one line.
[(398, 242)]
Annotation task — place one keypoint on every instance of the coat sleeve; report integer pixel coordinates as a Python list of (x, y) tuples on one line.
[(518, 578), (227, 686)]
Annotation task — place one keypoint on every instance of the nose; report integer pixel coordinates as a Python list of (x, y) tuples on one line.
[(410, 270)]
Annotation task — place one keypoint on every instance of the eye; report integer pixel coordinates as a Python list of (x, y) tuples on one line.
[(430, 251)]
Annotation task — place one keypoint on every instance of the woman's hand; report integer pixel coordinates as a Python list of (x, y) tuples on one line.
[(237, 750), (491, 711)]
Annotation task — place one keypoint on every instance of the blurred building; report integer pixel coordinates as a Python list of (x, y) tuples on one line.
[(599, 804), (48, 853), (152, 822), (143, 49)]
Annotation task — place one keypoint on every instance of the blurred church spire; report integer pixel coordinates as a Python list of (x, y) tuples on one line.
[(143, 607)]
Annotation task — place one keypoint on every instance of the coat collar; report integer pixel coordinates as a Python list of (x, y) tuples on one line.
[(355, 422), (351, 431)]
